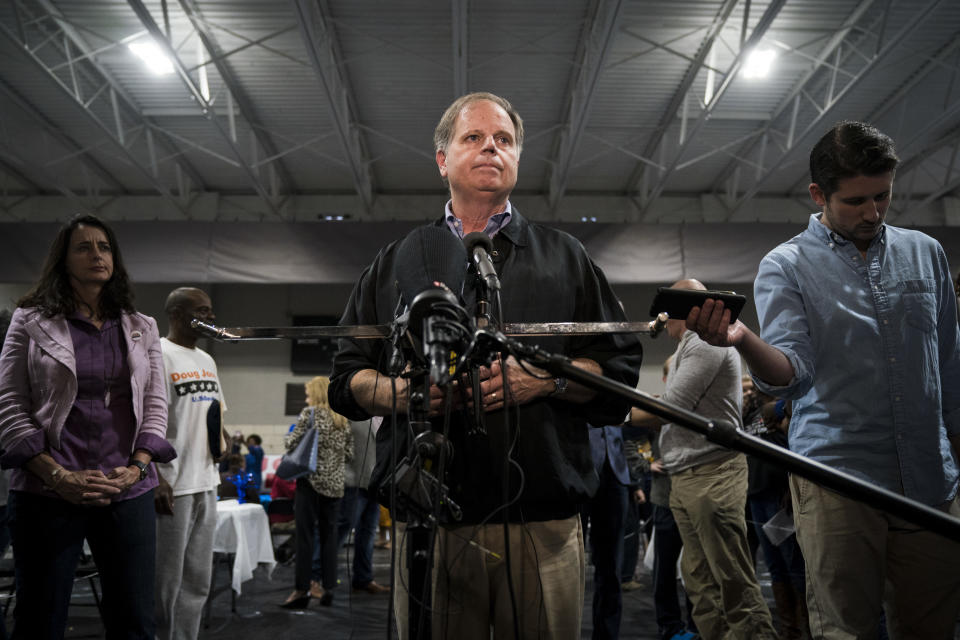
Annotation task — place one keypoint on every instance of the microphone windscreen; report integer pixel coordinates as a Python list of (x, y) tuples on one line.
[(477, 238), (427, 255)]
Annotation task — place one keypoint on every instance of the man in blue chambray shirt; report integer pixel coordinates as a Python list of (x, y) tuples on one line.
[(859, 327)]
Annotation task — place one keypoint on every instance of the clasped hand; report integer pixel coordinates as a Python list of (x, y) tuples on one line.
[(92, 487), (524, 384)]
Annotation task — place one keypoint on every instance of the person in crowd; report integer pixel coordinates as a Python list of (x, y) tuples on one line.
[(254, 459), (234, 445), (667, 545), (768, 492), (83, 412), (606, 512), (708, 489), (281, 490), (385, 525), (638, 523), (359, 511), (236, 481), (280, 516), (859, 329), (317, 500), (545, 275), (186, 498)]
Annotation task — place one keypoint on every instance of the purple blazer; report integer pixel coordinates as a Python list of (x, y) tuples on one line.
[(38, 384)]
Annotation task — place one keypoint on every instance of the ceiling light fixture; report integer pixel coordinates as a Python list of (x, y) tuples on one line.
[(758, 63), (151, 55)]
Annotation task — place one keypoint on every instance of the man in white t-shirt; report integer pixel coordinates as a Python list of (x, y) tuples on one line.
[(186, 500)]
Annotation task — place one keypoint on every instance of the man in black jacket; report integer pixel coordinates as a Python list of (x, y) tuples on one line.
[(539, 457)]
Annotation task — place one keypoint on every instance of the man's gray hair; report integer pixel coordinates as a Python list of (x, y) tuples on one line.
[(443, 135)]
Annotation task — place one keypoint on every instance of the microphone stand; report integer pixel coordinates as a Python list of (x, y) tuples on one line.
[(419, 529), (729, 436), (482, 319), (418, 478)]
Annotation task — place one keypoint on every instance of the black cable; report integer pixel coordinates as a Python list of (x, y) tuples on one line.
[(536, 561), (419, 599), (507, 393), (441, 469), (393, 498), (523, 366)]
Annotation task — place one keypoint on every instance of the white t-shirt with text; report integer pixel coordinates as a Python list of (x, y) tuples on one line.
[(192, 386)]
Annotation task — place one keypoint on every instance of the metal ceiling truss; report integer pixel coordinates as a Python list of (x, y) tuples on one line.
[(915, 152), (10, 158), (947, 182), (460, 31), (663, 46), (415, 149), (746, 46), (599, 34), (248, 43), (623, 146), (6, 206), (368, 34), (320, 42), (13, 172), (640, 175), (205, 103), (62, 139), (940, 162), (239, 96), (729, 178), (906, 93), (826, 81), (84, 73), (525, 43)]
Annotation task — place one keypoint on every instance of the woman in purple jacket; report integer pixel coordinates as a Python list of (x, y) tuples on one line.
[(83, 411)]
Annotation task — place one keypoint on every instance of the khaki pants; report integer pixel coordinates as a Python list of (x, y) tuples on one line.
[(708, 502), (852, 551), (471, 596)]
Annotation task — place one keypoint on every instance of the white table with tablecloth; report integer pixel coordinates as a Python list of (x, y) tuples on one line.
[(243, 530)]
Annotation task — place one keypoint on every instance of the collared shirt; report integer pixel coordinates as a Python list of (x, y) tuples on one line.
[(875, 351), (496, 222), (101, 428)]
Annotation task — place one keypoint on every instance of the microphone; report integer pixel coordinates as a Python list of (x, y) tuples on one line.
[(430, 267), (479, 247)]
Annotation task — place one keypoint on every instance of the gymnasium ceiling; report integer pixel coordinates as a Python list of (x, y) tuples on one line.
[(303, 110)]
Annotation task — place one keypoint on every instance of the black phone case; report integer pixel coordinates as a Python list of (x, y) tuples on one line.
[(678, 302)]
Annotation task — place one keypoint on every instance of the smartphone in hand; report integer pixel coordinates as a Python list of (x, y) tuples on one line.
[(677, 303)]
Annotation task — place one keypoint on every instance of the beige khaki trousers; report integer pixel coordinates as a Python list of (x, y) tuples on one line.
[(708, 502), (854, 553), (471, 599)]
